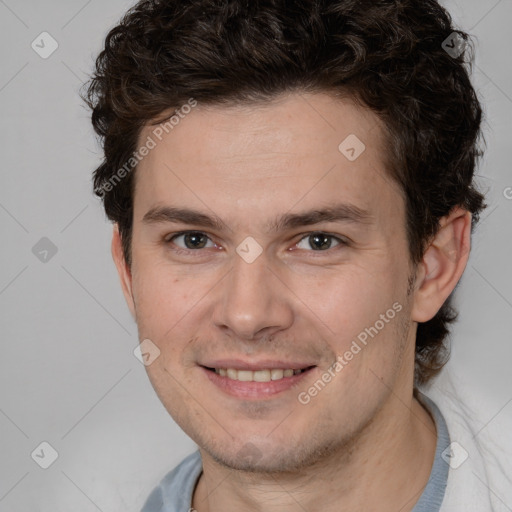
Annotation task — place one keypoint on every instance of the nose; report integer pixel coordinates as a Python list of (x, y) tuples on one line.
[(253, 302)]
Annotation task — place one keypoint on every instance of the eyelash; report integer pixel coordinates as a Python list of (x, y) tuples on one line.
[(342, 242)]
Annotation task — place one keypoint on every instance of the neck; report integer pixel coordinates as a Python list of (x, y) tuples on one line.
[(384, 469)]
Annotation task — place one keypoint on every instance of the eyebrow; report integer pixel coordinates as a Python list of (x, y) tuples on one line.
[(337, 213)]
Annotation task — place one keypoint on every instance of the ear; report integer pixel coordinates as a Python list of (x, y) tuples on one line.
[(123, 269), (442, 265)]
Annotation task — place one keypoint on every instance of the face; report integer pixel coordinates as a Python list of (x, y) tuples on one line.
[(271, 268)]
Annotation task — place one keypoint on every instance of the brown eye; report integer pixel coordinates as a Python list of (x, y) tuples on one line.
[(192, 240), (319, 242)]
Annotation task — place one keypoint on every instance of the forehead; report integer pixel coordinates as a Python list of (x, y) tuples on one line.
[(296, 152)]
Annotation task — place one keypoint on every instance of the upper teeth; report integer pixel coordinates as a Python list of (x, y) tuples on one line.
[(256, 376)]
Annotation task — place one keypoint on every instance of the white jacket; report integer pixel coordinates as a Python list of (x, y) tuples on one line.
[(480, 474)]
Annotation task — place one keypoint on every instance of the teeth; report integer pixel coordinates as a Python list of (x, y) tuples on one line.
[(257, 376), (260, 375), (245, 375), (276, 374)]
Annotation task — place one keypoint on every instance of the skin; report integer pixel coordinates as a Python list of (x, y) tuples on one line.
[(363, 442)]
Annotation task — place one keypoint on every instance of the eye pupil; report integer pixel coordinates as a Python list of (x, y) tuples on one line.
[(320, 241), (195, 240)]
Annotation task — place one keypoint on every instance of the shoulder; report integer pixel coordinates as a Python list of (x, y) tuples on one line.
[(479, 478), (174, 492)]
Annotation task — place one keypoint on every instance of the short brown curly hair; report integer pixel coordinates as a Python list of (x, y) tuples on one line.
[(390, 55)]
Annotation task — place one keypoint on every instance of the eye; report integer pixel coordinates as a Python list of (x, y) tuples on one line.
[(192, 240), (319, 242)]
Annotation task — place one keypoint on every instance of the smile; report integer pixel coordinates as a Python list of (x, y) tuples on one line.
[(265, 375), (258, 382)]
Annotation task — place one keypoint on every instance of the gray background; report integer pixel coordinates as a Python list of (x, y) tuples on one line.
[(68, 375)]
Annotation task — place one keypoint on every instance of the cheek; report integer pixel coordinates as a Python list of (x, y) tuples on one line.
[(347, 301), (161, 298), (366, 315), (169, 309)]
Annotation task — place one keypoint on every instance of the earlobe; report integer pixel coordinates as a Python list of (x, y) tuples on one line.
[(123, 269), (442, 265)]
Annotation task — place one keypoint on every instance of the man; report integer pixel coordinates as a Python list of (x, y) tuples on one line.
[(292, 190)]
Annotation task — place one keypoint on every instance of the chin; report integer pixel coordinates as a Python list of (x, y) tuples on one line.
[(254, 458)]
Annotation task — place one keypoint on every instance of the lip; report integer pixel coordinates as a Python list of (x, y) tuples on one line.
[(254, 390)]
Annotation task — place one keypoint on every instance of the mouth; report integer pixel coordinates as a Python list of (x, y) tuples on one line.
[(256, 382), (263, 375)]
